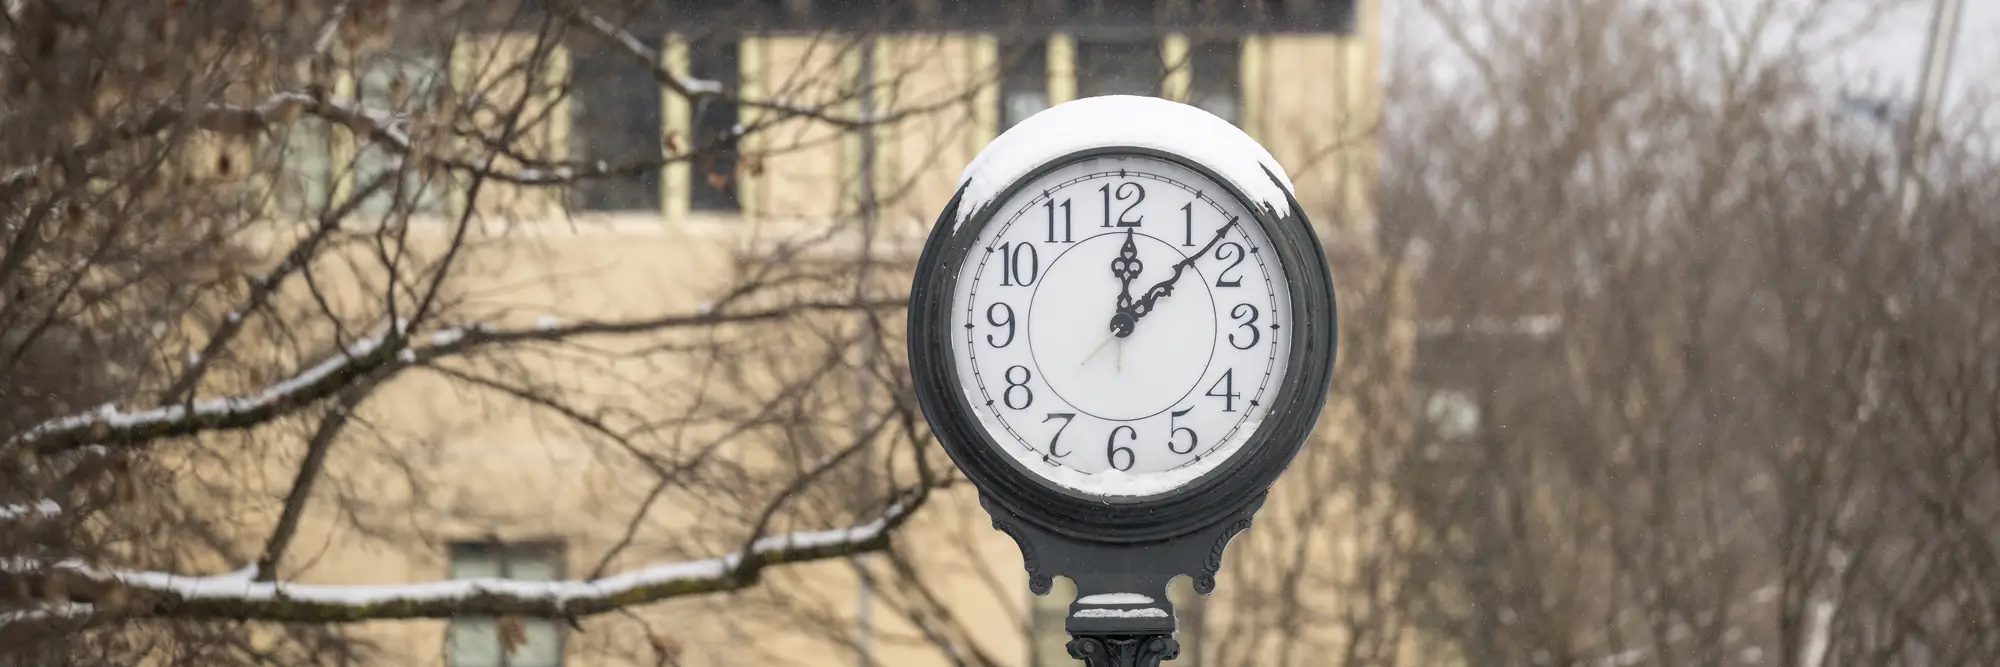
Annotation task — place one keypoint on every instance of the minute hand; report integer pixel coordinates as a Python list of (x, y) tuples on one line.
[(1166, 287)]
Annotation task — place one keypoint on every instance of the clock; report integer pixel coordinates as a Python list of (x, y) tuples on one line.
[(1122, 330), (1120, 326)]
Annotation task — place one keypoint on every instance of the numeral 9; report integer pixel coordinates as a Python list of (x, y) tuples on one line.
[(995, 319)]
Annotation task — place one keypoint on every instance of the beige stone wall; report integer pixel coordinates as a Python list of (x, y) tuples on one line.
[(1309, 97), (505, 70)]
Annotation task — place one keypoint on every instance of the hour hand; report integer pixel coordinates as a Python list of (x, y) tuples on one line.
[(1125, 267)]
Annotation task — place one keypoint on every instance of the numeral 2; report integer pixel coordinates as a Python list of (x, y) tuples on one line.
[(1222, 252)]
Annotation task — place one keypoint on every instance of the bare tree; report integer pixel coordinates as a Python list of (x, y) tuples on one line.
[(1665, 276), (254, 319)]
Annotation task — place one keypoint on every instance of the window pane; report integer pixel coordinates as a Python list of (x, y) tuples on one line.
[(615, 119), (1118, 68), (1046, 615), (400, 83), (1021, 105), (474, 563), (712, 173), (543, 647), (474, 642), (307, 176), (1455, 414), (1217, 86), (533, 564), (1024, 83)]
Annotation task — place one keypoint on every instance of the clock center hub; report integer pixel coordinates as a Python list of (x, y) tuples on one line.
[(1109, 377)]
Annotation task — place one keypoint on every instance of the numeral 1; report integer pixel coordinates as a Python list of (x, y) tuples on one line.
[(1187, 214)]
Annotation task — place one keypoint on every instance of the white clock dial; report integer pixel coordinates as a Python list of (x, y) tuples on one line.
[(1121, 323)]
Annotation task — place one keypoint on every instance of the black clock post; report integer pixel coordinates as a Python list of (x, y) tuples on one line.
[(1128, 633), (1123, 550)]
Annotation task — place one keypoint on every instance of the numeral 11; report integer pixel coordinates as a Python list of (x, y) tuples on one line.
[(1051, 206)]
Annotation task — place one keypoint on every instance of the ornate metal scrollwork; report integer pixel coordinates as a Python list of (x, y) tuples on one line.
[(1037, 582), (1204, 583)]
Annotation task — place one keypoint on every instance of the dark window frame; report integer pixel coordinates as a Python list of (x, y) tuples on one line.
[(1024, 74), (1213, 60), (1096, 61), (713, 178)]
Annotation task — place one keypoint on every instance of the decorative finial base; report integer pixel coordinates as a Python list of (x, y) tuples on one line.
[(1124, 650)]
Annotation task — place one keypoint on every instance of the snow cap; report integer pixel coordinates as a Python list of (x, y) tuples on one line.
[(1123, 121)]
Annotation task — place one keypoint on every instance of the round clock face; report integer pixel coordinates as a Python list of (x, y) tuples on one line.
[(1120, 326)]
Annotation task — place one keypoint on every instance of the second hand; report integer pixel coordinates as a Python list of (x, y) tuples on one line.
[(1100, 348)]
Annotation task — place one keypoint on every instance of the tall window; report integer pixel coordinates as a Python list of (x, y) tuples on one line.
[(1048, 614), (1119, 68), (1024, 83), (615, 119), (515, 642), (1216, 85), (307, 177), (403, 83), (713, 125)]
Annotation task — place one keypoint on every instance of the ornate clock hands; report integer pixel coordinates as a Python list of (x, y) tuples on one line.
[(1129, 315), (1126, 267)]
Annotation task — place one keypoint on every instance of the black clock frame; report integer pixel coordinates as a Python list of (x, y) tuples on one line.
[(1111, 544)]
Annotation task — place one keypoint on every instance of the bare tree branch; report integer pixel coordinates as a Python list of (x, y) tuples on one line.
[(110, 426), (239, 597)]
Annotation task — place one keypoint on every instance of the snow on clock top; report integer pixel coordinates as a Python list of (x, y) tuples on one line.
[(1123, 120)]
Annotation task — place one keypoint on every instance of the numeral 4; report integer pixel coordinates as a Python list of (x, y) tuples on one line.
[(1228, 387)]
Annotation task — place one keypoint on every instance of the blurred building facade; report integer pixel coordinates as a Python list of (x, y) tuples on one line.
[(1300, 76)]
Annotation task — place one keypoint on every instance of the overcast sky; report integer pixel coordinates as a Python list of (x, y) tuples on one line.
[(1888, 60), (1894, 55)]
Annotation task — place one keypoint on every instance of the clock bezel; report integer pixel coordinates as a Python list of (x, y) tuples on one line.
[(1217, 494)]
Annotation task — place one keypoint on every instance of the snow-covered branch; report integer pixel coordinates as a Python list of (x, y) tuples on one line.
[(60, 610), (44, 508), (238, 596), (111, 425)]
